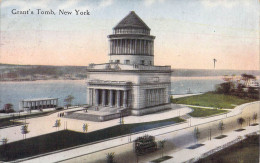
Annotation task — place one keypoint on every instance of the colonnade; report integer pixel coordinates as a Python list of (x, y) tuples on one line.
[(38, 104), (155, 96), (109, 98), (131, 46)]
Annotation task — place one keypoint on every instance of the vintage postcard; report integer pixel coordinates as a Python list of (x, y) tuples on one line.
[(125, 81)]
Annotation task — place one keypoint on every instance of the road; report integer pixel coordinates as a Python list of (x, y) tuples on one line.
[(176, 140)]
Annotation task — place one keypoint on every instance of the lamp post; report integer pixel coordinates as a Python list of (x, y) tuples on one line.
[(210, 134)]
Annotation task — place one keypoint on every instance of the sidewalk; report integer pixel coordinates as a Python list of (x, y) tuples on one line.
[(113, 142), (195, 154)]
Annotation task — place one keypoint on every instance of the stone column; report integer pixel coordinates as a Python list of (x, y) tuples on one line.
[(130, 46), (140, 48), (111, 98), (103, 97), (96, 97), (126, 47), (121, 46), (125, 99), (135, 52), (118, 98)]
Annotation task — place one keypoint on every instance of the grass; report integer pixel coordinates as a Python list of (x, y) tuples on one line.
[(65, 139), (9, 123), (162, 159), (202, 112), (245, 151), (212, 99)]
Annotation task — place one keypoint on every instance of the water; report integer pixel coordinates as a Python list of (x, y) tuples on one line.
[(13, 92), (184, 85)]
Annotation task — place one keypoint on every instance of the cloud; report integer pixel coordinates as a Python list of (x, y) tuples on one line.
[(105, 3), (225, 3), (25, 4), (151, 2)]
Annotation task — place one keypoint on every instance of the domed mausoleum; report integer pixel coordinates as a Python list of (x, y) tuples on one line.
[(129, 83)]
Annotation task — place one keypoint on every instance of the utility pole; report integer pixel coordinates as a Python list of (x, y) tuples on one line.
[(210, 134), (214, 60)]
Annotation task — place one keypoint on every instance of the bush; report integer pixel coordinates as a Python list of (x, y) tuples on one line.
[(59, 108), (225, 88)]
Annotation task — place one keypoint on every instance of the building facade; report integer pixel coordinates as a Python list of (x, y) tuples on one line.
[(130, 81)]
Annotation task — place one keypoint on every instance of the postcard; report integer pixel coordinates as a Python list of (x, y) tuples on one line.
[(122, 81)]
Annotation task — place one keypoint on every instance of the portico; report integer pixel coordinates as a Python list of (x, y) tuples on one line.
[(109, 94), (109, 97)]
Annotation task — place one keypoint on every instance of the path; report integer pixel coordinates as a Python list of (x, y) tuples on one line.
[(178, 139)]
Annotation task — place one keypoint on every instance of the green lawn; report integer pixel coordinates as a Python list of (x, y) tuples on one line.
[(246, 151), (65, 139), (9, 123), (202, 112), (162, 159), (211, 99)]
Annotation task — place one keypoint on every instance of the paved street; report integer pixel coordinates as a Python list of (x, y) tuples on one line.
[(178, 137)]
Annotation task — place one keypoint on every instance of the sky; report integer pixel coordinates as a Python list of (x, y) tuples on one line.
[(189, 33)]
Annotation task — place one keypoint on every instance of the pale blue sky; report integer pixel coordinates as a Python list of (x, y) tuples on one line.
[(189, 33)]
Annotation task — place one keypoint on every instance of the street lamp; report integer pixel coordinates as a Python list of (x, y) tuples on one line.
[(210, 134)]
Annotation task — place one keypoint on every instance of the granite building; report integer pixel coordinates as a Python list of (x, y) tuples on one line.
[(129, 81)]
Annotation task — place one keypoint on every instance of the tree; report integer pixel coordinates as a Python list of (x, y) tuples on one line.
[(221, 127), (247, 78), (4, 141), (111, 157), (57, 124), (161, 145), (240, 121), (24, 130), (85, 127), (121, 120), (68, 100), (254, 117), (196, 134), (225, 87), (8, 108)]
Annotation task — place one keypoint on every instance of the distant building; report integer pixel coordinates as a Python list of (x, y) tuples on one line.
[(130, 82)]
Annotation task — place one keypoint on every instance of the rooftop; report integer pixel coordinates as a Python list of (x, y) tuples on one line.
[(38, 99), (131, 21)]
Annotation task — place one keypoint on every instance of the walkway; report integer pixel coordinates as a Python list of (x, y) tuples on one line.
[(217, 144), (43, 125), (119, 141)]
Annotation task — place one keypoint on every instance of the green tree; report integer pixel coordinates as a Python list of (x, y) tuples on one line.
[(162, 145), (121, 120), (241, 121), (111, 157), (57, 124), (85, 127), (254, 117), (68, 100), (196, 134), (8, 108), (24, 130), (4, 141), (247, 78), (221, 127)]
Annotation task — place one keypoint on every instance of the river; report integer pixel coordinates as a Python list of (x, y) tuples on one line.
[(13, 92)]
